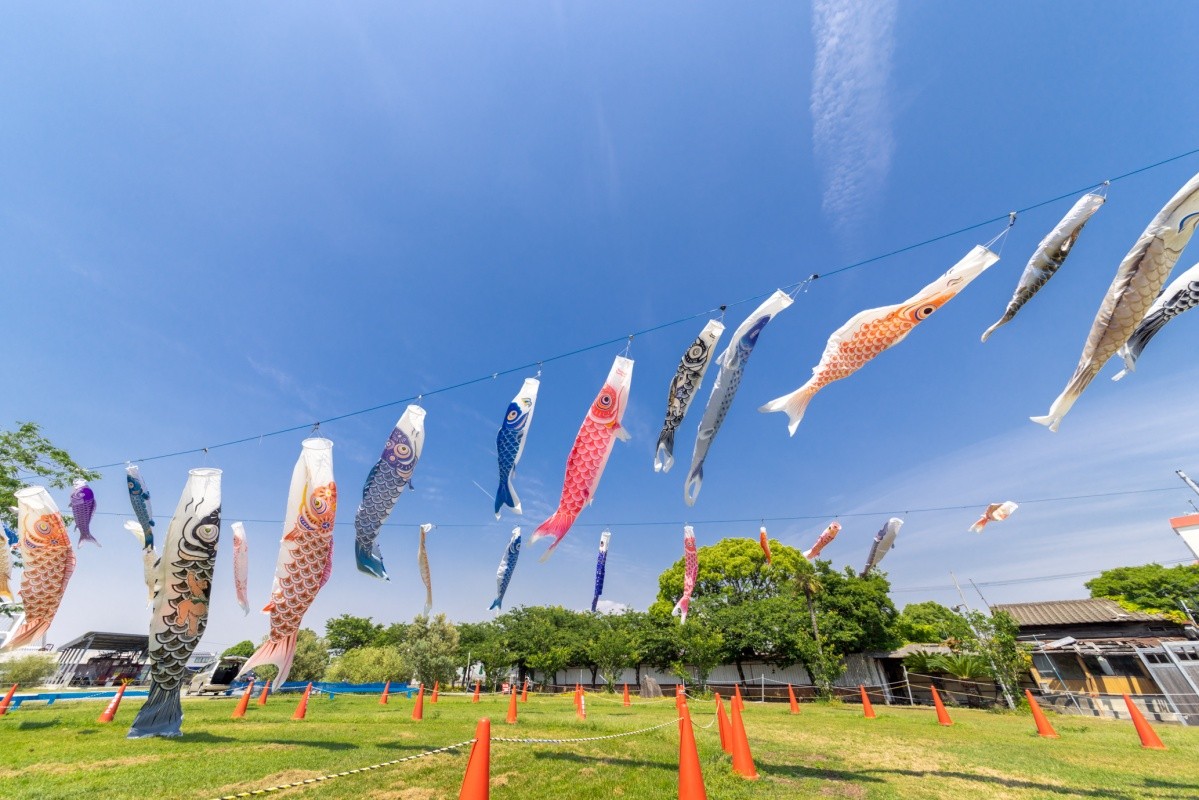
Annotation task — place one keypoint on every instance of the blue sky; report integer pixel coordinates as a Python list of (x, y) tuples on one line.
[(226, 221)]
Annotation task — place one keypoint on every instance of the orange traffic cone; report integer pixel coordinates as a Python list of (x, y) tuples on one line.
[(524, 692), (867, 708), (476, 784), (737, 700), (302, 706), (7, 700), (475, 699), (436, 689), (113, 705), (511, 706), (723, 725), (582, 705), (418, 710), (1044, 729), (942, 714), (1149, 737), (386, 694), (743, 760), (791, 699), (244, 703), (627, 702), (691, 779), (266, 690)]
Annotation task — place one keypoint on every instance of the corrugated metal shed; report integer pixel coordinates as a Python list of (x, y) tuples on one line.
[(1074, 612)]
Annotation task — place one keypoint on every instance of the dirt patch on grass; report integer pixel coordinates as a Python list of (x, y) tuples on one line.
[(410, 793), (278, 779), (840, 789), (77, 766), (503, 778)]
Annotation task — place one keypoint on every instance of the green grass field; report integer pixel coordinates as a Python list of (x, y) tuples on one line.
[(827, 751)]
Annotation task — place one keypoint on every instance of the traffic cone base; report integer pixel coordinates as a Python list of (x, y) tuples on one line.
[(691, 778), (1149, 737), (743, 760), (867, 707), (942, 714), (476, 783), (1044, 729)]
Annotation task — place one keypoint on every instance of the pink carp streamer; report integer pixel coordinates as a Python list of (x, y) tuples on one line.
[(823, 540), (45, 549), (305, 555), (422, 561), (996, 512), (589, 455), (241, 566), (690, 573)]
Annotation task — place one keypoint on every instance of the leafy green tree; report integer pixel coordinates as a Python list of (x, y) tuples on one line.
[(731, 572), (26, 453), (28, 671), (430, 647), (369, 665), (245, 648), (612, 651), (1151, 588), (550, 661), (994, 640), (347, 632), (312, 657), (537, 635), (930, 623), (701, 647)]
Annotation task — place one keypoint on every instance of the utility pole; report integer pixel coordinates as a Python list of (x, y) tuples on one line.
[(1187, 480)]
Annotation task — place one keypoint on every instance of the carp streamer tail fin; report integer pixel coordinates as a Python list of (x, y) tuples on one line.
[(161, 715), (279, 652), (506, 496), (794, 404), (31, 628), (664, 456), (555, 527)]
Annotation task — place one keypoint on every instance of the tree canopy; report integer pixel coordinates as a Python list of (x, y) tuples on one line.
[(27, 453), (930, 623), (1151, 588)]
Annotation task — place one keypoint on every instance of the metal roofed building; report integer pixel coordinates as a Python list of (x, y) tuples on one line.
[(1088, 653), (116, 657)]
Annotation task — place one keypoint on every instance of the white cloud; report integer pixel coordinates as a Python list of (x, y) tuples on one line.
[(851, 115), (611, 607)]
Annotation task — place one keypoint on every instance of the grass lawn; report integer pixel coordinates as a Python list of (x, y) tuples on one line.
[(827, 751)]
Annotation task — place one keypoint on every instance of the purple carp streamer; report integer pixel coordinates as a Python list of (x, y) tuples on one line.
[(179, 613), (305, 555), (390, 476), (1138, 282), (422, 561), (1049, 256), (690, 573), (241, 567), (600, 564), (49, 561), (83, 506)]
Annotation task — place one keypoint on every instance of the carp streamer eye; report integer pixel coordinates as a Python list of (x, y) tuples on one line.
[(923, 312), (512, 415)]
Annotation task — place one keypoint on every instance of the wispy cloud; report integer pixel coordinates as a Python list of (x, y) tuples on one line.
[(851, 114)]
